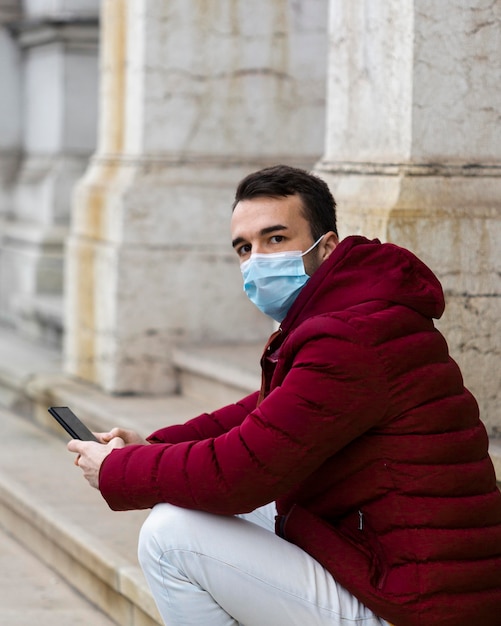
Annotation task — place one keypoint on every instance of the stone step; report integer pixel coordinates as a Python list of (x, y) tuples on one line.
[(219, 374), (44, 501), (48, 507), (32, 593)]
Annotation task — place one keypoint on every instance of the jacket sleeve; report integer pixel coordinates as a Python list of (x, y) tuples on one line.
[(334, 392), (208, 424)]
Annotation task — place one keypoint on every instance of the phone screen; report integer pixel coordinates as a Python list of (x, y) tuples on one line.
[(71, 424)]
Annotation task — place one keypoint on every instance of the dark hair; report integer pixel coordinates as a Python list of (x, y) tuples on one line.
[(319, 206)]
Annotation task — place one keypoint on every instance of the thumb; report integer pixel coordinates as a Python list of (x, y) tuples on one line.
[(116, 442), (107, 437)]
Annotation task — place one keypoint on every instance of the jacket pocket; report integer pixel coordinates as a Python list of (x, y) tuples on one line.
[(358, 529)]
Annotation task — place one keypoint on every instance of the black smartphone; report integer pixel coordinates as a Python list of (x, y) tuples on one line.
[(71, 424)]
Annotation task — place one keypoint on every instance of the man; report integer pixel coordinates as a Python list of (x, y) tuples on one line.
[(355, 487)]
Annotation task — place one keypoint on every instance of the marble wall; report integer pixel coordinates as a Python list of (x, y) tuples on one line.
[(394, 102), (413, 155), (49, 73), (194, 96)]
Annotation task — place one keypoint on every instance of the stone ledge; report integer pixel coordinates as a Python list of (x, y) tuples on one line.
[(101, 411), (53, 512), (218, 373)]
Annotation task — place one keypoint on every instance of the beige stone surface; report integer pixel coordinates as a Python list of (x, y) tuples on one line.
[(45, 502), (193, 97), (414, 81), (48, 70), (32, 593), (413, 156)]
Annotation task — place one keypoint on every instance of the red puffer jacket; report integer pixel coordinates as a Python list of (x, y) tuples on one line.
[(364, 435)]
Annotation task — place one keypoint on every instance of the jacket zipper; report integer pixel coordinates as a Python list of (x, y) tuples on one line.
[(377, 551)]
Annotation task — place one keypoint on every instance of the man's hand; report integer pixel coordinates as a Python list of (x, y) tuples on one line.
[(129, 437), (90, 456)]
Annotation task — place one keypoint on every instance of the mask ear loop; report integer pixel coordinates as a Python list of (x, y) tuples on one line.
[(314, 245)]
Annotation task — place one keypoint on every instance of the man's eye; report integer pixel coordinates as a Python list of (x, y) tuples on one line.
[(277, 239), (243, 250)]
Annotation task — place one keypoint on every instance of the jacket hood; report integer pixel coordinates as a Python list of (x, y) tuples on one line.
[(360, 270)]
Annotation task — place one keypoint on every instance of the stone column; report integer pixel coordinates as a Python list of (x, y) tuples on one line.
[(10, 103), (10, 129), (194, 96), (413, 155), (56, 46)]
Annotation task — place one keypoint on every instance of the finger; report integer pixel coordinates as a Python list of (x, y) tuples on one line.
[(75, 445), (102, 437), (77, 459)]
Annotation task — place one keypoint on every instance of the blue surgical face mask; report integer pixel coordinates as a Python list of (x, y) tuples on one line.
[(273, 281)]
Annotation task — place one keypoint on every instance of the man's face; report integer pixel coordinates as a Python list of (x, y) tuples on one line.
[(268, 225)]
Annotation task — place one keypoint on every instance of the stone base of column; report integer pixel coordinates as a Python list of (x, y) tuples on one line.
[(449, 216), (44, 185), (9, 164), (31, 280), (32, 245), (150, 266)]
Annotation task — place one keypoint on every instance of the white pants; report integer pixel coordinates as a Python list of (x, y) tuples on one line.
[(211, 570)]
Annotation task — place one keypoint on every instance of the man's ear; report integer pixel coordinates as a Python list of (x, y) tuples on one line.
[(328, 245)]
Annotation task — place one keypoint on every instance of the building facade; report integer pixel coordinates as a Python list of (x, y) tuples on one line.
[(126, 125)]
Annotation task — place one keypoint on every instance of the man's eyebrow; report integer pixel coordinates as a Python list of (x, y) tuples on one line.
[(236, 241), (271, 229), (262, 232)]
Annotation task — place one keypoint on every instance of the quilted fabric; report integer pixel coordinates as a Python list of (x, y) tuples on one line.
[(366, 438)]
